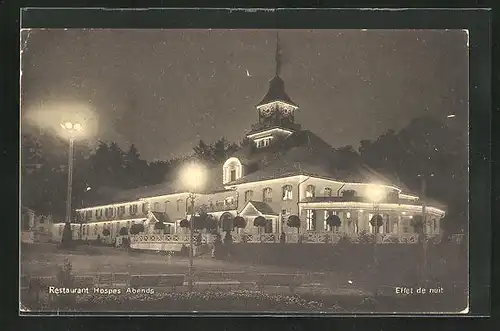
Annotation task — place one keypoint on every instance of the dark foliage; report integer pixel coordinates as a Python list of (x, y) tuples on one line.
[(106, 232), (333, 221), (294, 222), (184, 223), (259, 221), (239, 222), (377, 221)]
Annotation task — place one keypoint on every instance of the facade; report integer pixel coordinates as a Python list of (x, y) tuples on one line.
[(284, 170)]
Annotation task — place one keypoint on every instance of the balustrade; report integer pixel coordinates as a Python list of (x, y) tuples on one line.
[(310, 237)]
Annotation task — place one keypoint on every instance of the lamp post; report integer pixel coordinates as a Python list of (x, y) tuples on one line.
[(193, 177), (72, 129), (423, 187)]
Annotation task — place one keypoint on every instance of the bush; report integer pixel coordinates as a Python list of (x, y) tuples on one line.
[(123, 231), (239, 222), (366, 238), (159, 226), (377, 221), (184, 223), (106, 232), (65, 279), (333, 221), (294, 222), (67, 236)]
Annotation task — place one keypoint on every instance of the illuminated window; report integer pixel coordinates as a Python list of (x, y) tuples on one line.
[(166, 205), (310, 191), (287, 192), (267, 195), (348, 215), (328, 192), (248, 195), (311, 220), (263, 142), (132, 209), (233, 175)]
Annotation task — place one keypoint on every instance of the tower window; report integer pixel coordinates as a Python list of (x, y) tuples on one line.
[(264, 142), (233, 174)]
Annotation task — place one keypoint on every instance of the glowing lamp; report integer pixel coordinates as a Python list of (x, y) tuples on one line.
[(193, 176), (375, 193)]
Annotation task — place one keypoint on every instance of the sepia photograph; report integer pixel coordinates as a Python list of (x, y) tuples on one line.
[(244, 170)]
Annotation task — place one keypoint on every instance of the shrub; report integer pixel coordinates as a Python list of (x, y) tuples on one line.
[(67, 236), (65, 279), (294, 222), (184, 223), (106, 232), (377, 221), (239, 222), (259, 221), (333, 221)]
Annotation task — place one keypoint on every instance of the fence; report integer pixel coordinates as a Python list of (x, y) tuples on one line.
[(308, 238)]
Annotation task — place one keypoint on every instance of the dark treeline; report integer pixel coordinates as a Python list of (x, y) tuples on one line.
[(425, 147)]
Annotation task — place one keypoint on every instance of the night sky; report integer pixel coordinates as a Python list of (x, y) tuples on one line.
[(163, 90)]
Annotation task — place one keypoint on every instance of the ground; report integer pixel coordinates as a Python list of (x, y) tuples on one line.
[(339, 291), (44, 260)]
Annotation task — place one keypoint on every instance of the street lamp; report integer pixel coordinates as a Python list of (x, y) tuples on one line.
[(73, 129), (193, 177), (423, 182)]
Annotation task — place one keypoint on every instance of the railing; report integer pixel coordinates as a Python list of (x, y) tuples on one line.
[(306, 238)]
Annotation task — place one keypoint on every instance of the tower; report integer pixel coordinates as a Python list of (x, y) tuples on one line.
[(276, 111)]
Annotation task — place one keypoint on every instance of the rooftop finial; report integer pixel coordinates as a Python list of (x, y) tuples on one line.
[(278, 55)]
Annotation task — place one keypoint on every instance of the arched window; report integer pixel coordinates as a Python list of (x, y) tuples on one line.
[(287, 192), (248, 195), (267, 195), (231, 170), (310, 191), (179, 204), (328, 192)]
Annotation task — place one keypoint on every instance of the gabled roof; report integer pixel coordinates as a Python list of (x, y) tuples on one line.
[(161, 217), (276, 92), (261, 207)]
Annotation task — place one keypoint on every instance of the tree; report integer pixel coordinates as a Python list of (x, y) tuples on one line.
[(123, 231), (377, 221), (67, 236), (333, 221), (294, 222), (106, 232), (203, 151), (259, 222), (227, 222), (239, 222), (184, 223), (136, 228)]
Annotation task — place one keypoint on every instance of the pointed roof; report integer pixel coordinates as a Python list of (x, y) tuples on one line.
[(276, 92), (161, 217), (261, 207)]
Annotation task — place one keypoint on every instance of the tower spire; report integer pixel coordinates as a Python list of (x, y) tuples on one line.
[(278, 55)]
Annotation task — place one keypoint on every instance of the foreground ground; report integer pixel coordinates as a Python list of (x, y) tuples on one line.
[(340, 292)]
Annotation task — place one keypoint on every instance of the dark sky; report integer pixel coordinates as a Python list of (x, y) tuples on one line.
[(165, 89)]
